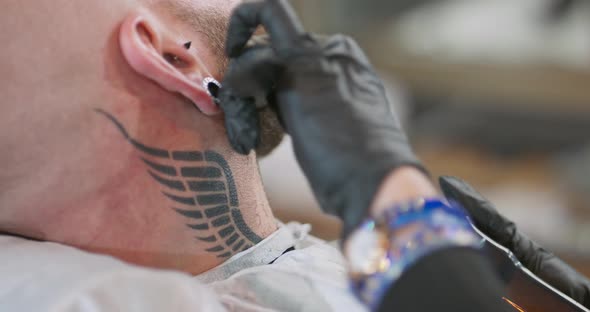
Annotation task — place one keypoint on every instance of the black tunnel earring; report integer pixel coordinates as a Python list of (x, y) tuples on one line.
[(212, 86)]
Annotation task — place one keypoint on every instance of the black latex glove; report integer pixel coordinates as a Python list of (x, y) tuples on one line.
[(345, 134), (541, 262)]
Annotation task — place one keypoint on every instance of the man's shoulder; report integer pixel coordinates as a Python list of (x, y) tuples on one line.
[(45, 271), (312, 277), (40, 276)]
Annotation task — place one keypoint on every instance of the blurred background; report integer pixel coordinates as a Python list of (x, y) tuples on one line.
[(496, 92)]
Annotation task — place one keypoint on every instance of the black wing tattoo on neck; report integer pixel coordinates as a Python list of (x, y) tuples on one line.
[(201, 188)]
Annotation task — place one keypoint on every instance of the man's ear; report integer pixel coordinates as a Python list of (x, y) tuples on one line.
[(156, 56)]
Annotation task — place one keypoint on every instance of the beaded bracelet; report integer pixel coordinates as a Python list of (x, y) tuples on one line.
[(383, 248)]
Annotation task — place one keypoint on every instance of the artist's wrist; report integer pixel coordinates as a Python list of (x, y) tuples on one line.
[(401, 185)]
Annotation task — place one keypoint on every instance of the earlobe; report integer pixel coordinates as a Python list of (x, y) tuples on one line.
[(161, 59)]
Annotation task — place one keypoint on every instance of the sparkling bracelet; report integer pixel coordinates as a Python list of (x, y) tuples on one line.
[(383, 248)]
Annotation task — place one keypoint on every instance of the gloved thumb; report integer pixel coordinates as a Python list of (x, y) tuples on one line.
[(482, 212), (534, 257)]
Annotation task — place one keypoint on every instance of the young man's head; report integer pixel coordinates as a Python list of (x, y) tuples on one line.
[(109, 141)]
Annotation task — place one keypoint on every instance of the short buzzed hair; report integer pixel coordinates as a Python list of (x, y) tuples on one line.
[(211, 22)]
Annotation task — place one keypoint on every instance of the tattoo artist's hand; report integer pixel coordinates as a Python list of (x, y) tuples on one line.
[(329, 99), (538, 260)]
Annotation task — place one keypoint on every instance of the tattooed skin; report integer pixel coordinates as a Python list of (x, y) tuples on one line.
[(201, 189)]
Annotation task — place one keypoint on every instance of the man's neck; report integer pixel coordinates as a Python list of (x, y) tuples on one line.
[(171, 208), (199, 213)]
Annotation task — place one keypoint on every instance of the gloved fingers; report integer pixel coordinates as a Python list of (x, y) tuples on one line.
[(241, 121), (277, 17), (253, 74), (482, 212), (242, 25), (247, 86)]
